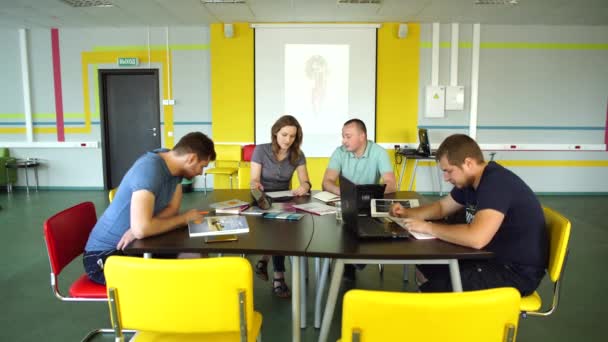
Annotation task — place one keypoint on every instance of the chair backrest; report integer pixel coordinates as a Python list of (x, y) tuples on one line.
[(66, 234), (228, 152), (486, 315), (558, 229), (111, 194), (180, 295), (248, 152)]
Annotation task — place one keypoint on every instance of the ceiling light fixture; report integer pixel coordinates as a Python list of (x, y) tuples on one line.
[(89, 3), (496, 2), (223, 1), (362, 2)]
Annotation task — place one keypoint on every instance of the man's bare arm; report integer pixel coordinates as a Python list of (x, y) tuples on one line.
[(476, 234), (144, 224), (390, 181), (433, 211), (329, 181)]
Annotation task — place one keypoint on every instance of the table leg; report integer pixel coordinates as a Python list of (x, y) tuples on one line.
[(303, 288), (332, 297), (413, 174), (27, 182), (317, 269), (455, 275), (319, 293), (36, 176), (295, 300), (9, 185), (403, 162)]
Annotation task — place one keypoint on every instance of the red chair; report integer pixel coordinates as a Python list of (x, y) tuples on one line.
[(248, 152), (66, 233)]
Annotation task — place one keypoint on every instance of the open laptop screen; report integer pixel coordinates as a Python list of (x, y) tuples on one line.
[(360, 195)]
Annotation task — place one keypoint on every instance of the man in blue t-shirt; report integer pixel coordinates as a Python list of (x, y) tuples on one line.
[(147, 201), (502, 216)]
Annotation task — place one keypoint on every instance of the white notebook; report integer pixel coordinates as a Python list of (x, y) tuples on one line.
[(326, 196), (418, 236)]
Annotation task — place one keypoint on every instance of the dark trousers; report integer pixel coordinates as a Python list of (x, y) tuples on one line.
[(479, 275), (278, 263)]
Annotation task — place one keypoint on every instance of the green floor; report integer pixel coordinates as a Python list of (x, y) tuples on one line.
[(31, 313)]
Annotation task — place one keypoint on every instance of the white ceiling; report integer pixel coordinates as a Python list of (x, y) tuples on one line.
[(55, 13)]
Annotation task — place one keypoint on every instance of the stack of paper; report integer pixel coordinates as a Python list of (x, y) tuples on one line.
[(285, 215), (316, 208), (233, 206), (274, 208), (326, 196)]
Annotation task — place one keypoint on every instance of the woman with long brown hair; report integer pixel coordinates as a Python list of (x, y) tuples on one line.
[(272, 167)]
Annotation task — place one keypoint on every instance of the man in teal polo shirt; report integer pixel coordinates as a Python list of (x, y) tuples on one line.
[(360, 160)]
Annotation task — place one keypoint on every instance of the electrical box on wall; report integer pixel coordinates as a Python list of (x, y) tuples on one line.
[(434, 102), (454, 98)]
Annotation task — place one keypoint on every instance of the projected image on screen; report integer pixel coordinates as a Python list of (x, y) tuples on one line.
[(316, 84)]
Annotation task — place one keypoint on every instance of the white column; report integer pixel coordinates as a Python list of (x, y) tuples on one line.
[(474, 81), (25, 81)]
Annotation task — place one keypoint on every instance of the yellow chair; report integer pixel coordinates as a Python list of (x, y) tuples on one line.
[(182, 299), (226, 164), (558, 228), (484, 316), (111, 194)]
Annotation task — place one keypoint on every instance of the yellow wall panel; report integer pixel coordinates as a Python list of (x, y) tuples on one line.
[(397, 84), (232, 84)]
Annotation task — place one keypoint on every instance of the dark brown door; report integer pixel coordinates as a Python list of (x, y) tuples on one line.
[(130, 118)]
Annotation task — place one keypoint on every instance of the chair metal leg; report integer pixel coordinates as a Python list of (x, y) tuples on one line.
[(205, 183)]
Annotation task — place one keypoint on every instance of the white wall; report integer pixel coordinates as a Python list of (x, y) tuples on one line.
[(79, 167)]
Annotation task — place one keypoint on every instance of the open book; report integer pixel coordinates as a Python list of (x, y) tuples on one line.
[(218, 225), (232, 210), (274, 208), (285, 215), (228, 204), (316, 208), (326, 196)]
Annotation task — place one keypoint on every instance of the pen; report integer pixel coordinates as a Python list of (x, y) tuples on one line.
[(204, 212)]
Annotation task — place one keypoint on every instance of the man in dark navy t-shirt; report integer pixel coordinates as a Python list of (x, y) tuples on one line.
[(502, 216)]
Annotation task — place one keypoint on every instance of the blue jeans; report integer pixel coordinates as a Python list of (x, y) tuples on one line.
[(93, 264)]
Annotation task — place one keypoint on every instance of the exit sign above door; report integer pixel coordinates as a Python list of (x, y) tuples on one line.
[(128, 61)]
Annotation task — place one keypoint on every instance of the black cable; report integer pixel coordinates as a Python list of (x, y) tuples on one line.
[(313, 231)]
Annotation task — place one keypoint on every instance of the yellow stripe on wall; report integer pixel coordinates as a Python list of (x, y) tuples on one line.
[(232, 83)]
